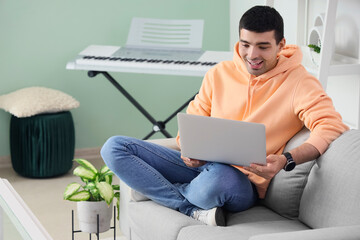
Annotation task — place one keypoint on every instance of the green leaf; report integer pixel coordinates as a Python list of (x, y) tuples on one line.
[(316, 49), (108, 179), (116, 187), (90, 185), (105, 169), (95, 193), (85, 173), (80, 196), (84, 180), (106, 191), (86, 164), (71, 189), (118, 209), (106, 174), (117, 196)]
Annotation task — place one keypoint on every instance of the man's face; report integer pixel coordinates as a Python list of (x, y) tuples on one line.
[(259, 50)]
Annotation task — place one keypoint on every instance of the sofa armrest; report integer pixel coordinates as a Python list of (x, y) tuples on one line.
[(123, 205), (128, 195), (333, 233), (166, 142)]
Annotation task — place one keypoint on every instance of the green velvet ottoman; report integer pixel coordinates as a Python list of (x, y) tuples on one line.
[(43, 145)]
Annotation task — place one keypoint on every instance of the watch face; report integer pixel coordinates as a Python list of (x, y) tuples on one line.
[(290, 166)]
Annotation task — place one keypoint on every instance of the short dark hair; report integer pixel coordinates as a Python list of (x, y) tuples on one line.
[(263, 19)]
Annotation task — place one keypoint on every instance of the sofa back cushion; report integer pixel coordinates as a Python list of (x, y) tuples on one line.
[(285, 190), (331, 196)]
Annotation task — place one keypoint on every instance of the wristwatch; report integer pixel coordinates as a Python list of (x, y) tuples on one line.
[(290, 163)]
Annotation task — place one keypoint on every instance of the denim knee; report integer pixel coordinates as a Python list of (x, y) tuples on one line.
[(224, 178), (227, 183), (113, 146), (235, 188)]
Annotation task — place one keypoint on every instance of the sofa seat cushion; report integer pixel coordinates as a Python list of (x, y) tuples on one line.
[(149, 220), (242, 231), (254, 214)]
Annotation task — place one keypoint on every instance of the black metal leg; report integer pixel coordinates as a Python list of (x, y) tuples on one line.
[(158, 126), (98, 226), (114, 223), (170, 117), (149, 135), (97, 233), (72, 224), (179, 109)]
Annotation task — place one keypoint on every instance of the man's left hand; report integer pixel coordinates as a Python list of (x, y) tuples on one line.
[(274, 163)]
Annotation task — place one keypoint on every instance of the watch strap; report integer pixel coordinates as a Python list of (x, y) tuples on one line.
[(290, 163)]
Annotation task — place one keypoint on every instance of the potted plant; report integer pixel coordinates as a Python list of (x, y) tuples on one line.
[(94, 197), (315, 48)]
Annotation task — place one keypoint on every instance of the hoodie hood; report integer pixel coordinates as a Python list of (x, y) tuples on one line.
[(289, 57)]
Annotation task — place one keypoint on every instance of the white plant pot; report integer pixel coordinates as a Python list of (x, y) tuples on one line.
[(87, 216)]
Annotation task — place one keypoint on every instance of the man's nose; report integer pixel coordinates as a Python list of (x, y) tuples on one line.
[(252, 52)]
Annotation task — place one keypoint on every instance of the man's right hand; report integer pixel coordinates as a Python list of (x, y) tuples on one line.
[(193, 162)]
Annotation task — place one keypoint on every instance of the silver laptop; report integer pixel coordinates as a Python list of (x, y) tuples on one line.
[(222, 140)]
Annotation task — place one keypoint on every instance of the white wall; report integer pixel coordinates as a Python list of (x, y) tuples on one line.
[(344, 90), (239, 7)]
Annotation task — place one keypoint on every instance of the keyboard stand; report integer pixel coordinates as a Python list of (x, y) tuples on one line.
[(97, 63), (158, 126)]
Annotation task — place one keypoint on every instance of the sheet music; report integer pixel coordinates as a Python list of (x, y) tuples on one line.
[(165, 34)]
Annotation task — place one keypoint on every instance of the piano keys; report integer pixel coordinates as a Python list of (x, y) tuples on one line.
[(116, 63)]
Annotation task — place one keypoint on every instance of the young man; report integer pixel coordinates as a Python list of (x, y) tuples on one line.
[(264, 83)]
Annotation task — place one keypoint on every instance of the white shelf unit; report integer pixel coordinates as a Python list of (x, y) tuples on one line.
[(330, 64), (322, 29)]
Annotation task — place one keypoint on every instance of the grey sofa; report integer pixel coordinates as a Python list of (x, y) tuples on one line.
[(317, 200)]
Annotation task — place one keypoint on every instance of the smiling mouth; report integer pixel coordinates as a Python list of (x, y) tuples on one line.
[(255, 64)]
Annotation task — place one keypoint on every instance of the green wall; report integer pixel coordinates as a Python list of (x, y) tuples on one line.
[(38, 37)]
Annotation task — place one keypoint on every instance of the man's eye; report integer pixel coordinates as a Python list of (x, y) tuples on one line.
[(245, 45), (263, 48)]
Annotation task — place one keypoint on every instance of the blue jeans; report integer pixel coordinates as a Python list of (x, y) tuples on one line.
[(160, 174)]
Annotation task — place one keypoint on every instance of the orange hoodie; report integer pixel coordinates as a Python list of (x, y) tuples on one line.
[(284, 99)]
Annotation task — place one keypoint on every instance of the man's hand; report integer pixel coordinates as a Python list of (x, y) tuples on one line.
[(193, 162), (274, 163)]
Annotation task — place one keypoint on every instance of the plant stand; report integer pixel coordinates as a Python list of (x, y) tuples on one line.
[(97, 233)]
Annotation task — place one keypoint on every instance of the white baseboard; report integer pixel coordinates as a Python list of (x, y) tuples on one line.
[(85, 153), (88, 153)]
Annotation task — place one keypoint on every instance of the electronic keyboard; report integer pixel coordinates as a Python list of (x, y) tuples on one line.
[(116, 59)]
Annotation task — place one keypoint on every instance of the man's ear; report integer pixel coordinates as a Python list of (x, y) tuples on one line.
[(282, 44)]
